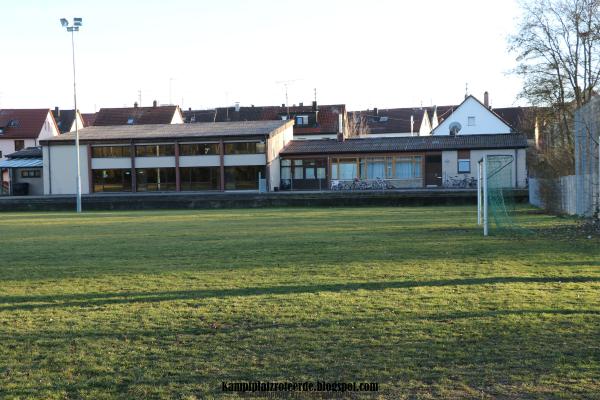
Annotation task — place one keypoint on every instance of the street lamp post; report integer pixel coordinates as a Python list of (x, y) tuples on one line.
[(77, 22)]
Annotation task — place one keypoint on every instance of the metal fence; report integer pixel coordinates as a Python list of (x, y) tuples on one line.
[(564, 189), (587, 159)]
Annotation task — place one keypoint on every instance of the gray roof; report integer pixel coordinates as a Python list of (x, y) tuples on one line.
[(405, 144), (30, 152), (173, 131)]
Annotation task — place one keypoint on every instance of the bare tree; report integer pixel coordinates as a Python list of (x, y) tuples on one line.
[(558, 47), (356, 125)]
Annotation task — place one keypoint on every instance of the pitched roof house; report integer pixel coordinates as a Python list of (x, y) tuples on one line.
[(138, 115), (65, 119), (398, 122), (21, 128), (311, 122)]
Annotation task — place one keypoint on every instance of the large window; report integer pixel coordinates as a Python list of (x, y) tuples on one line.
[(111, 180), (376, 168), (155, 179), (19, 145), (464, 161), (303, 174), (373, 168), (110, 152), (243, 177), (200, 178), (245, 148), (345, 169), (199, 149), (155, 150)]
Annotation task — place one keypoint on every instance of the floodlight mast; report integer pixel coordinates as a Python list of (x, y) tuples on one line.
[(77, 22)]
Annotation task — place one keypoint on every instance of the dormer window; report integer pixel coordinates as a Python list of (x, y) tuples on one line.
[(302, 120), (13, 123), (471, 121), (130, 121), (284, 117), (383, 119)]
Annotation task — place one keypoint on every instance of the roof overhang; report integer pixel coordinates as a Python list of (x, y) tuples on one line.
[(22, 163)]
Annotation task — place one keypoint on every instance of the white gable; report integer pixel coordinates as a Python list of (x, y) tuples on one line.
[(474, 118)]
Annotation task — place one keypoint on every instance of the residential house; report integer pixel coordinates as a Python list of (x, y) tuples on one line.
[(221, 156), (24, 169), (398, 122), (22, 128), (310, 122), (139, 115), (447, 155), (65, 119)]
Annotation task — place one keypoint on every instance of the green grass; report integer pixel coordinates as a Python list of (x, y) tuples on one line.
[(170, 304)]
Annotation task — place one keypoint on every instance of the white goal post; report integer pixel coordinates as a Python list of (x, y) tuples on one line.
[(482, 198)]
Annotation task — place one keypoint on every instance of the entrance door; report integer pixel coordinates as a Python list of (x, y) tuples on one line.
[(433, 170)]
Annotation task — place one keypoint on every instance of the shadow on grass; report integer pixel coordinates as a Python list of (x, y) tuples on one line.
[(101, 299)]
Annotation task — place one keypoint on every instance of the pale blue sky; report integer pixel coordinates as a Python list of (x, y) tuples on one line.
[(378, 53)]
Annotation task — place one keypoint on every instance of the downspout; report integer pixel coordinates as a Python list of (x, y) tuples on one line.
[(49, 169), (516, 169)]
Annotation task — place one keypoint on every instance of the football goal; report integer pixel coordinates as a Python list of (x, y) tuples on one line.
[(495, 194)]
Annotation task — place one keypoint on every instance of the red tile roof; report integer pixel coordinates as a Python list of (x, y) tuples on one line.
[(88, 119), (140, 115), (28, 123), (327, 116), (392, 120)]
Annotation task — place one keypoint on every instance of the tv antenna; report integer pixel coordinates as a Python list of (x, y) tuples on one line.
[(286, 85)]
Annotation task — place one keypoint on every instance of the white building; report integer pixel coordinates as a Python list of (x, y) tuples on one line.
[(168, 157), (20, 129)]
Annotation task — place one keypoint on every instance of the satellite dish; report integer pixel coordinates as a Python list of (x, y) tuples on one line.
[(455, 127)]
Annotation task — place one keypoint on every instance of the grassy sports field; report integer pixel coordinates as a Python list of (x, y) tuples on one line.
[(170, 304)]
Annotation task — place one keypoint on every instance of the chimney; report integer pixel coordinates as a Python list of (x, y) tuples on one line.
[(301, 104), (135, 105), (237, 106), (57, 112), (282, 105), (340, 137), (155, 103), (190, 109), (486, 99), (314, 105), (375, 111)]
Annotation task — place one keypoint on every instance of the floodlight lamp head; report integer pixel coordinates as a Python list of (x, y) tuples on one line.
[(64, 22), (77, 21)]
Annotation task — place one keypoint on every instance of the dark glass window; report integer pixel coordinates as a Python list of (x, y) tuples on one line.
[(199, 149), (155, 179), (31, 173), (155, 150), (19, 145), (111, 180), (200, 178), (243, 177), (110, 152), (245, 148)]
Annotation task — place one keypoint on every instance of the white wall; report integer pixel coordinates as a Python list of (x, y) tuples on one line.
[(275, 144), (60, 170), (244, 159), (7, 146), (519, 165), (177, 118), (486, 122), (155, 162), (314, 137), (36, 185), (199, 161), (110, 163)]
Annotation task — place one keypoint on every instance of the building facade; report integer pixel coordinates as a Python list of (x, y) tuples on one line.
[(397, 162), (168, 158)]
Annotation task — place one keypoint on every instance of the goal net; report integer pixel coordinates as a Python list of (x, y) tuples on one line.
[(495, 193)]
